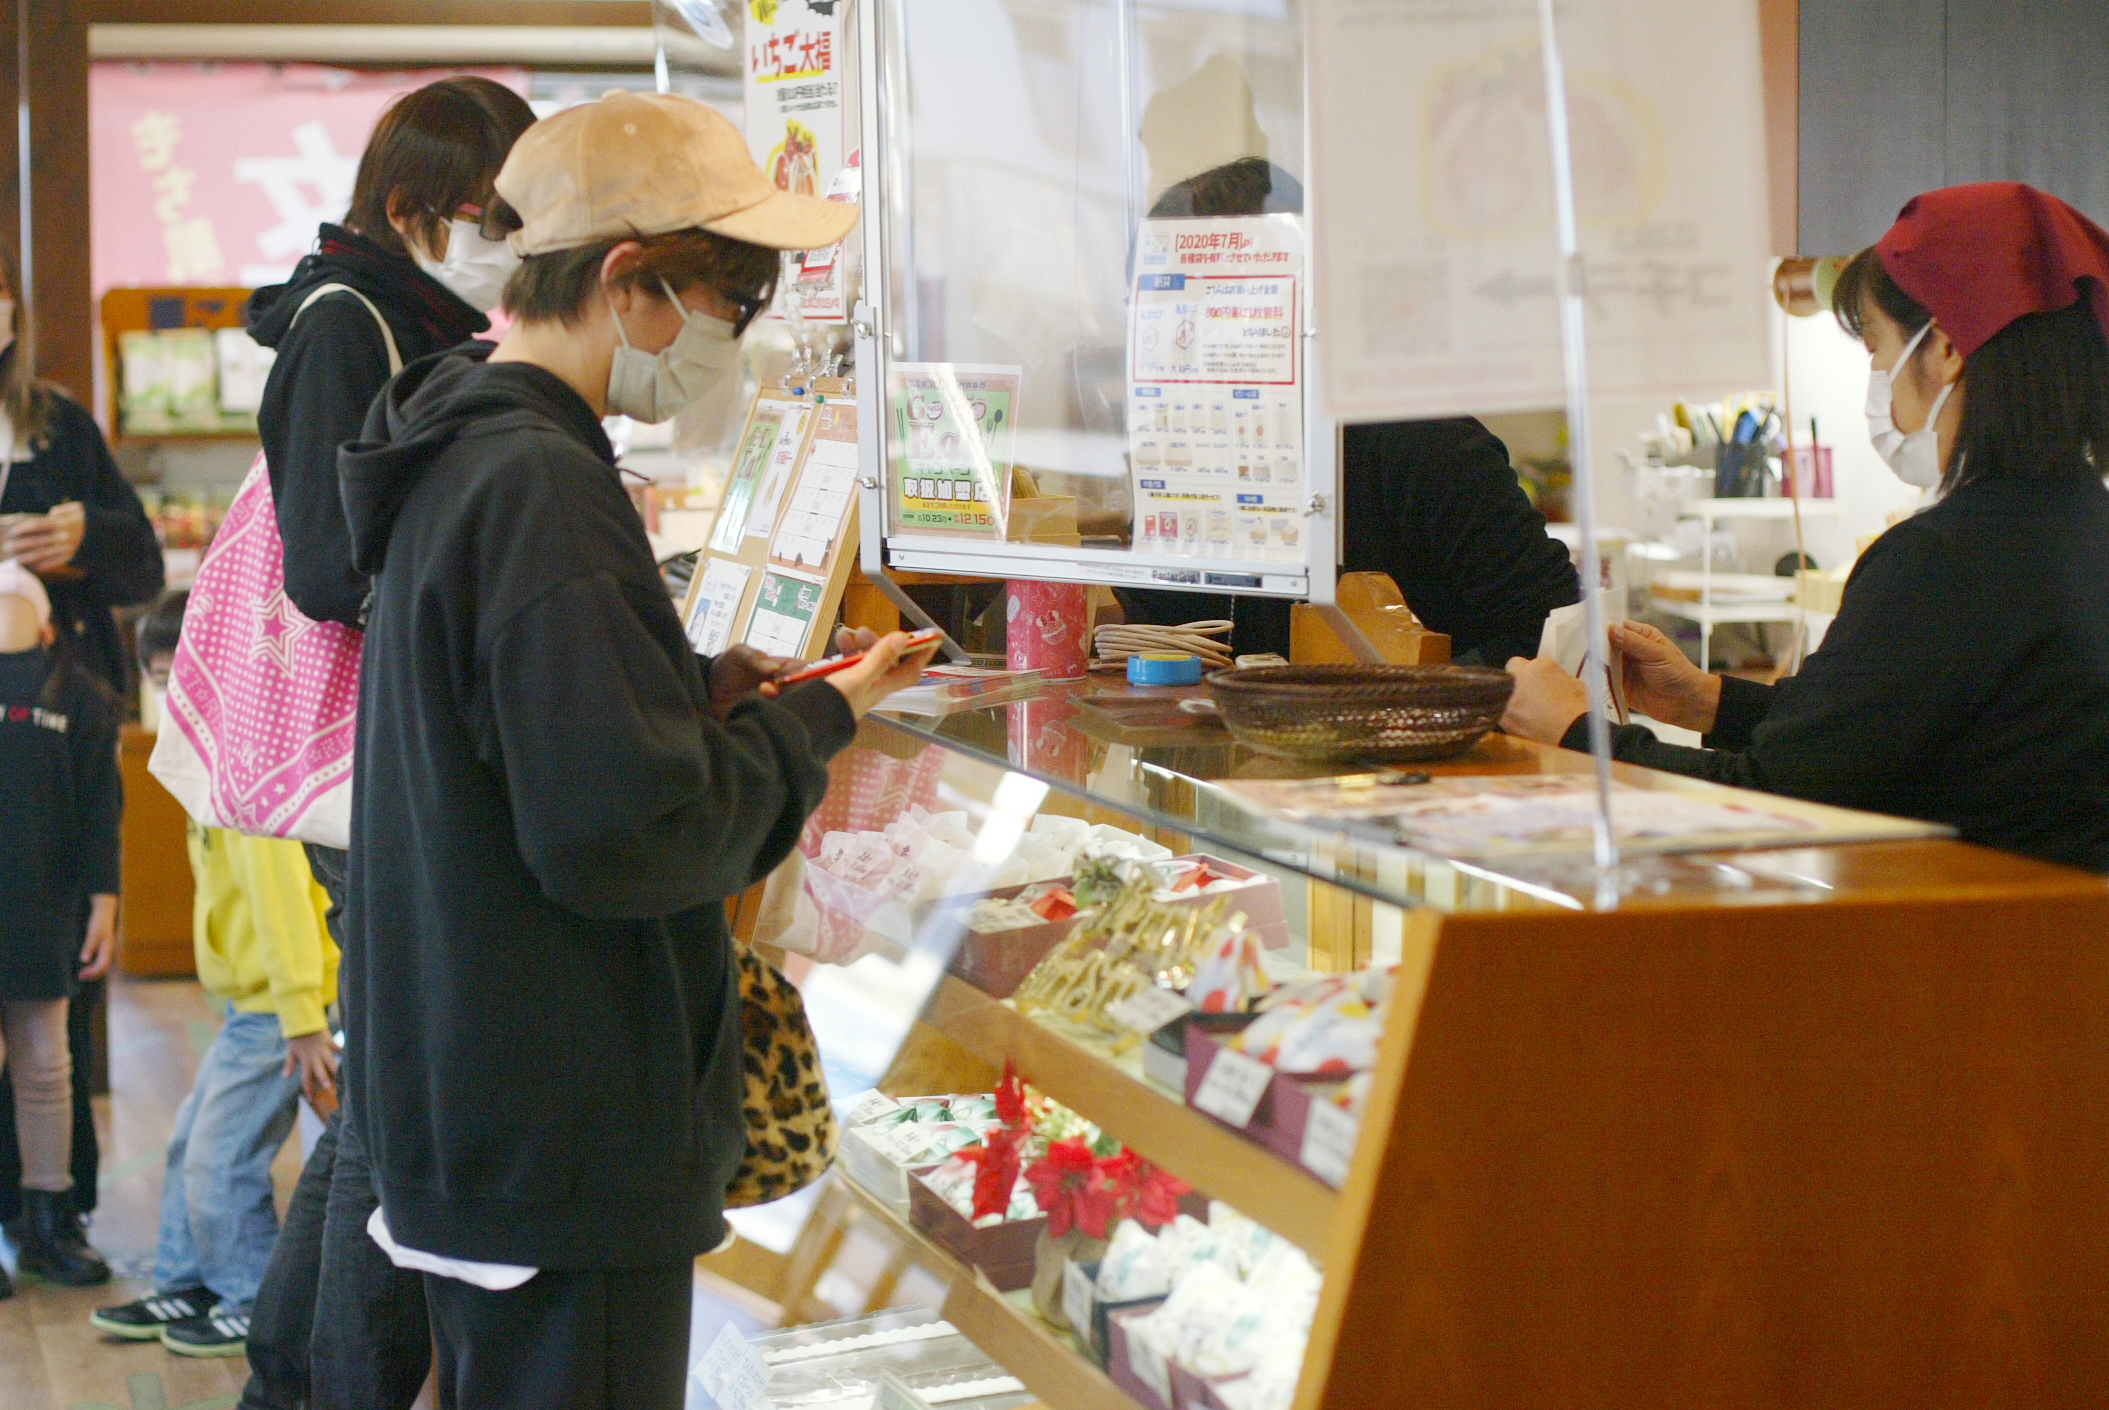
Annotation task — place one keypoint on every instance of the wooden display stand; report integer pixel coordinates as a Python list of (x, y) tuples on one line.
[(155, 908), (143, 309), (1693, 1151), (1373, 602)]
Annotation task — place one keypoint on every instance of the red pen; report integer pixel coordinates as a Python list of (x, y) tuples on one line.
[(833, 664)]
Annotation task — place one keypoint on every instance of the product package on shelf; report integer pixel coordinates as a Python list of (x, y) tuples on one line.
[(1220, 1310), (883, 1139), (1286, 1076), (837, 1365)]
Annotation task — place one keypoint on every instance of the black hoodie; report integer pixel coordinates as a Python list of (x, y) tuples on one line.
[(539, 987), (331, 364)]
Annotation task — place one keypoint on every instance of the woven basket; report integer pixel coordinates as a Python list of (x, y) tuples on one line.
[(1383, 714)]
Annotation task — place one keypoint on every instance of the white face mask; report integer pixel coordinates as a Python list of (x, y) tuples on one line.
[(7, 324), (475, 269), (1915, 457), (651, 387)]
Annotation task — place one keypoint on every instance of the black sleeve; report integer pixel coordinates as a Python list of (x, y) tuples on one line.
[(1872, 708), (118, 550), (629, 800), (330, 368), (92, 736), (1436, 505), (1742, 707)]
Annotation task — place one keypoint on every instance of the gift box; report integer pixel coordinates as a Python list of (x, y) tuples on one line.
[(1003, 1252), (1145, 1376), (1258, 895), (1195, 1392), (997, 961), (1284, 1107)]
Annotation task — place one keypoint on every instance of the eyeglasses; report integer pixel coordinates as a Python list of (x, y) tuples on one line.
[(490, 220)]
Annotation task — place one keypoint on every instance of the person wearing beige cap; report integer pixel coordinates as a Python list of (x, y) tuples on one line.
[(554, 794)]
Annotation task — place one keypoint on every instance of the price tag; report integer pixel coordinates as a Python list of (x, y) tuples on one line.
[(733, 1374), (1076, 1300), (1147, 1010), (1148, 1365), (901, 1144), (1233, 1087), (1329, 1142), (871, 1107)]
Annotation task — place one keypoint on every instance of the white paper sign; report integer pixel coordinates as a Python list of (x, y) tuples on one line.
[(717, 603), (1233, 1086), (794, 114), (1149, 1368), (1215, 399), (1432, 195), (1076, 1299), (1329, 1143), (1147, 1010), (870, 1107), (732, 1373)]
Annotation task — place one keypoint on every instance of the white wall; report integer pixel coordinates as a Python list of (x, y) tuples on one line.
[(1826, 377)]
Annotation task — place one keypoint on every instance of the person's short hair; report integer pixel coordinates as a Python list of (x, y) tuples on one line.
[(1247, 186), (162, 626), (559, 284), (435, 150)]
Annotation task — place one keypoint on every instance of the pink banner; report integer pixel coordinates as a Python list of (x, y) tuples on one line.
[(218, 174)]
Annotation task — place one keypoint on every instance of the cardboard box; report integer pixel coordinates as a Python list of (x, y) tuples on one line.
[(1278, 1121), (1004, 1252), (1122, 1360)]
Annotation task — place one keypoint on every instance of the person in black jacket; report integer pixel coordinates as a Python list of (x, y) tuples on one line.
[(72, 519), (1434, 504), (1966, 679), (60, 799), (334, 1320), (554, 795)]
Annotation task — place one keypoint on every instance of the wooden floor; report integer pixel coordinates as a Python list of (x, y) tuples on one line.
[(50, 1358)]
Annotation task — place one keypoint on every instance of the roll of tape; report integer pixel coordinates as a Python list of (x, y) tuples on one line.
[(1164, 668)]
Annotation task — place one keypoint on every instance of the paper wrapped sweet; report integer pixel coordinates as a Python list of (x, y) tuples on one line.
[(953, 1182), (1228, 977), (1133, 1266)]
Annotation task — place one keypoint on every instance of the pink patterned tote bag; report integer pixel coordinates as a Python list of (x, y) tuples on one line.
[(257, 729)]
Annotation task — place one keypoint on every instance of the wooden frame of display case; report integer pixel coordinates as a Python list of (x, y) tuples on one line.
[(1695, 1150)]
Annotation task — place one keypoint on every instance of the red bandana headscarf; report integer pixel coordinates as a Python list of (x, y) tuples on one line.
[(1978, 257)]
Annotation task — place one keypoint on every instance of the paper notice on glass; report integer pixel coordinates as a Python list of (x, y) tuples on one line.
[(717, 603), (783, 613), (1215, 402), (950, 447), (777, 472), (1432, 194), (820, 506), (756, 442)]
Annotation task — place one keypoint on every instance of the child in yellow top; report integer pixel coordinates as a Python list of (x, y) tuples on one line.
[(267, 960)]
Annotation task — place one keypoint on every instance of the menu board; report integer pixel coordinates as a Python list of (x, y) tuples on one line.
[(951, 434), (1215, 394), (784, 612), (756, 442), (820, 507)]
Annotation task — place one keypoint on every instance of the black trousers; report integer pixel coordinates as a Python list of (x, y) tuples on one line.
[(87, 1153), (565, 1341), (335, 1325)]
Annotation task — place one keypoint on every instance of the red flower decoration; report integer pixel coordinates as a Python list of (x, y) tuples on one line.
[(996, 1163), (1010, 1097), (1068, 1186)]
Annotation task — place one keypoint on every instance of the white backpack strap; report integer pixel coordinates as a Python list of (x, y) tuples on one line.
[(395, 359)]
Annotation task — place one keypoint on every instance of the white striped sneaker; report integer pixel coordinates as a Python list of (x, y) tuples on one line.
[(220, 1332), (144, 1319)]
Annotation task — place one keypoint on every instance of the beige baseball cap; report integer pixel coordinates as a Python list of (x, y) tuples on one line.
[(648, 164)]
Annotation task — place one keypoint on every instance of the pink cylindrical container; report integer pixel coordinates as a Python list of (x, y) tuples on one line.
[(1046, 629)]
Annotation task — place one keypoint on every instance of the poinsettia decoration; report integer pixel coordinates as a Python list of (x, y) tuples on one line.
[(1081, 1178)]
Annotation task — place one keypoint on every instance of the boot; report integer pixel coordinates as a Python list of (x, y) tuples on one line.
[(52, 1247)]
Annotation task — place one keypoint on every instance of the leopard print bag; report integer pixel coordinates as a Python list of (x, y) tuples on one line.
[(791, 1131)]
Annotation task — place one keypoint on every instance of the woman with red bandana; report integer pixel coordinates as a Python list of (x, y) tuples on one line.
[(1966, 680)]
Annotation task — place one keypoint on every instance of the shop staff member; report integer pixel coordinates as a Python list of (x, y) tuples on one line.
[(1435, 504), (554, 793), (1966, 680)]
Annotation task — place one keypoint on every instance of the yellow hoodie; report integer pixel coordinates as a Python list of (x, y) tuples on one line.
[(258, 927)]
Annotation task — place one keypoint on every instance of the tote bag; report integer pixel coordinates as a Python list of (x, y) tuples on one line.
[(257, 728)]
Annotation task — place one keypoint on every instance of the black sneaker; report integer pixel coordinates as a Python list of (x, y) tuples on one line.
[(220, 1332), (144, 1319)]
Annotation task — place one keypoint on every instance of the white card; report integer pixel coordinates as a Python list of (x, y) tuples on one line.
[(1149, 1367), (1233, 1087), (1147, 1010), (732, 1373), (871, 1106), (1076, 1299), (717, 603), (1329, 1142)]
